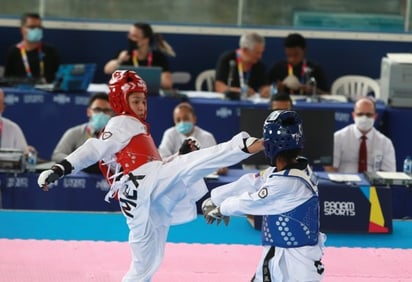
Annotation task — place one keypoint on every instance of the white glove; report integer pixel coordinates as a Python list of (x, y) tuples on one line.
[(212, 213), (249, 146), (207, 206), (49, 176), (215, 214)]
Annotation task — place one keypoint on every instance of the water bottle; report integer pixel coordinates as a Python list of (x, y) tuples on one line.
[(407, 165), (313, 96), (243, 92), (31, 161), (273, 89)]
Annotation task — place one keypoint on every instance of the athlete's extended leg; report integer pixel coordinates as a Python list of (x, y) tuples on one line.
[(193, 166)]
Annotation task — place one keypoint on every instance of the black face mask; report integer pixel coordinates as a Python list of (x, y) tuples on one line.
[(132, 45)]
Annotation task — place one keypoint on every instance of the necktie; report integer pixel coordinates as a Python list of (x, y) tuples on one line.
[(363, 155)]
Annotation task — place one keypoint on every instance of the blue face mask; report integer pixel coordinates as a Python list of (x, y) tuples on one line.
[(184, 127), (34, 34), (98, 121)]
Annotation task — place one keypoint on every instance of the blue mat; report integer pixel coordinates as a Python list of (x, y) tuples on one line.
[(93, 226)]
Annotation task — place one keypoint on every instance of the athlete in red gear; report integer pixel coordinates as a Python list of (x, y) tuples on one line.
[(153, 194)]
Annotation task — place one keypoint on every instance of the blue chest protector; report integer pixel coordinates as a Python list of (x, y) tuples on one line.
[(298, 227)]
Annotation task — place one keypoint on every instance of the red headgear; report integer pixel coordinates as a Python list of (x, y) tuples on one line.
[(122, 83)]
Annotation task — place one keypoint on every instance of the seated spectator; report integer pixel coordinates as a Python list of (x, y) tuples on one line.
[(11, 135), (281, 101), (294, 74), (185, 119), (242, 68), (31, 58), (99, 112), (146, 48), (375, 154)]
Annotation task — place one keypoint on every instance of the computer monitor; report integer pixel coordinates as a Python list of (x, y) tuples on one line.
[(318, 130), (74, 77), (396, 82), (71, 78)]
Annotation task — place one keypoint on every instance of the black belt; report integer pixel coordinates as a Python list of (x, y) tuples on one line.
[(265, 266)]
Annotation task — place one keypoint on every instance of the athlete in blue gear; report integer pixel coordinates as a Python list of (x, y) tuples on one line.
[(286, 195)]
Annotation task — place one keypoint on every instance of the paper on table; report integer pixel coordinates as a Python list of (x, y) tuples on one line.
[(340, 177), (334, 98), (256, 99), (400, 57), (102, 87), (295, 97), (393, 175), (203, 94)]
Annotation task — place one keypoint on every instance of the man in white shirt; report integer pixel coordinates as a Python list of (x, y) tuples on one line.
[(184, 118), (11, 135), (380, 153)]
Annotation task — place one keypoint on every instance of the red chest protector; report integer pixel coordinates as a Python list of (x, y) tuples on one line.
[(140, 150)]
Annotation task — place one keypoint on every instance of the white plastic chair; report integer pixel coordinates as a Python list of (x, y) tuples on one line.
[(355, 87), (207, 77)]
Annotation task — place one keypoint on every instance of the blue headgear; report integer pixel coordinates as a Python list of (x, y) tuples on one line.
[(282, 131)]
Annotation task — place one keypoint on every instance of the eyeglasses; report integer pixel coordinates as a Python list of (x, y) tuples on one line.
[(365, 114), (33, 26), (107, 111)]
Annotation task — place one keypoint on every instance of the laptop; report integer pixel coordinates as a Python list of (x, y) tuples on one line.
[(71, 78), (151, 75)]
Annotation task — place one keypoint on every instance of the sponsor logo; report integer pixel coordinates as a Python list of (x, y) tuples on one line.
[(33, 99), (17, 182), (102, 185), (342, 117), (11, 99), (319, 267), (339, 208), (263, 193), (81, 100), (223, 112), (77, 183), (106, 135), (61, 99)]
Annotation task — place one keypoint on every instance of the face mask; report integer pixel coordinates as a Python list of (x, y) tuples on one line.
[(98, 121), (34, 34), (133, 45), (184, 127), (363, 123)]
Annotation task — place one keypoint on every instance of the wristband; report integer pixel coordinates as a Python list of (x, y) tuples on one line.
[(62, 168)]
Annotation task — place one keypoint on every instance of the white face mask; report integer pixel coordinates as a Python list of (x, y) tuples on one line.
[(363, 123)]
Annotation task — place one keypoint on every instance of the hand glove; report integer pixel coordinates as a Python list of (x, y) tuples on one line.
[(189, 145), (215, 214), (207, 206), (51, 175), (253, 145), (47, 177)]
